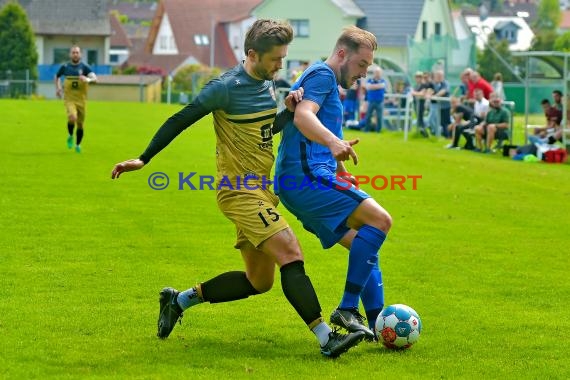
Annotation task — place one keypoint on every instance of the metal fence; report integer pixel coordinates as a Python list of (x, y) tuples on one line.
[(442, 52), (410, 111), (16, 84)]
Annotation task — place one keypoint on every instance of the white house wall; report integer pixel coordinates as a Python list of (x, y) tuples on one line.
[(485, 28), (40, 49), (435, 11), (236, 35), (165, 32)]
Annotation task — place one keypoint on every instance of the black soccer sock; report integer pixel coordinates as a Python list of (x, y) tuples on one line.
[(70, 127), (229, 286), (299, 290), (458, 131), (79, 135)]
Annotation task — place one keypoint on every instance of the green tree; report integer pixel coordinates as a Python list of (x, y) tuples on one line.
[(492, 5), (562, 42), (123, 19), (193, 77), (548, 15), (17, 43), (489, 63), (544, 40)]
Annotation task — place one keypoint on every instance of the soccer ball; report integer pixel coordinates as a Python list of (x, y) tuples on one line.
[(398, 326)]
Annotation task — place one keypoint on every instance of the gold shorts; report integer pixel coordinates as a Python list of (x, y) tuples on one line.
[(76, 109), (254, 213)]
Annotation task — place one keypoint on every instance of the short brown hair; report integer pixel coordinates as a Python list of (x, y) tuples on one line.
[(353, 38), (264, 34)]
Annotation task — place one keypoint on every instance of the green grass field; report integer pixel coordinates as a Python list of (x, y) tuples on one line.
[(480, 250)]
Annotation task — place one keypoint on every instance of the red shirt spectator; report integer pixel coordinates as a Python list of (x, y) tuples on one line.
[(553, 115), (479, 82)]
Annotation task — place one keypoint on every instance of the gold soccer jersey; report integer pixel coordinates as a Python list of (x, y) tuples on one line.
[(244, 110), (74, 90)]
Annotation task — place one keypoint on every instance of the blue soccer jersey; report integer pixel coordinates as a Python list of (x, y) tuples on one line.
[(297, 155), (306, 171)]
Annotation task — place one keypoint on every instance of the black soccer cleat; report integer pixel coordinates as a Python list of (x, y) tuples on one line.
[(170, 312), (340, 343), (352, 321)]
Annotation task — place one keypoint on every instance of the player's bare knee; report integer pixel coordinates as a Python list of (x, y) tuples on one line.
[(385, 221), (381, 220), (283, 247), (289, 254), (372, 214), (262, 286)]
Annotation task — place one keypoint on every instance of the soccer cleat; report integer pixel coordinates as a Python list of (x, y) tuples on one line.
[(340, 343), (352, 321), (78, 148), (70, 142), (170, 312)]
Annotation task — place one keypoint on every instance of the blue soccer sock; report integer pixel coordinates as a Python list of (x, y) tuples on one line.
[(373, 296), (362, 258)]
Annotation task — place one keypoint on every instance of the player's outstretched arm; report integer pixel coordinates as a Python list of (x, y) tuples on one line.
[(126, 166)]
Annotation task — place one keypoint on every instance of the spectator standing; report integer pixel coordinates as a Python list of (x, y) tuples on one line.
[(419, 92), (497, 85), (350, 104), (439, 109), (479, 82), (375, 90)]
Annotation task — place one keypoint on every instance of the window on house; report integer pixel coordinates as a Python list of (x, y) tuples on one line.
[(163, 43), (201, 39), (60, 56), (424, 30), (92, 57), (300, 28), (437, 29), (114, 58)]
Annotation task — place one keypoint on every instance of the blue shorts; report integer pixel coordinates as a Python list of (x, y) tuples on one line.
[(323, 206)]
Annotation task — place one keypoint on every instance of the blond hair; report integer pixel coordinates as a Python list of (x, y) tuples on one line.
[(353, 38)]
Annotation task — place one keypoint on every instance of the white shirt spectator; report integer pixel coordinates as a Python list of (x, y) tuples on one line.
[(480, 108)]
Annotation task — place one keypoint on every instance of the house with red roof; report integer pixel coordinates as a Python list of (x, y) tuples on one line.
[(196, 32), (120, 42)]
